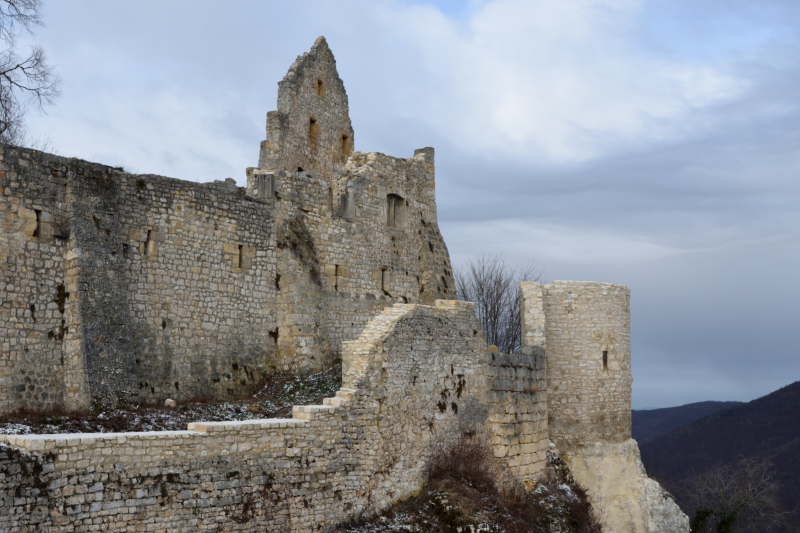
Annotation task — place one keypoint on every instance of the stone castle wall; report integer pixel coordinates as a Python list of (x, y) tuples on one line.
[(587, 329), (35, 311), (117, 286), (129, 286), (173, 288), (417, 376), (584, 327)]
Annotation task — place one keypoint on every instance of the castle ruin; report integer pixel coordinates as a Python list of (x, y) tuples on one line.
[(118, 286)]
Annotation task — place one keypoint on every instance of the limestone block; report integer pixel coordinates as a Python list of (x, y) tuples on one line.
[(29, 216)]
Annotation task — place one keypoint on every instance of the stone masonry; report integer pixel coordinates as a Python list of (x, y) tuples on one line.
[(584, 329), (119, 286), (128, 286), (416, 376)]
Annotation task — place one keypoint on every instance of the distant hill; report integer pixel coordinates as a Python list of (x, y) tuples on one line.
[(768, 427), (651, 423)]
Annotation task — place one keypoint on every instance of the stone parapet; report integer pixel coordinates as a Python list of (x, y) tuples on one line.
[(417, 376)]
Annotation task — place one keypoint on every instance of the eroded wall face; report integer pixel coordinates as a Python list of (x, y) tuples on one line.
[(200, 268), (587, 328), (415, 378), (35, 308), (151, 287)]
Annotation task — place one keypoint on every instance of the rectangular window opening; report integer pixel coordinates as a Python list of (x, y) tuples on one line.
[(345, 147), (336, 274), (313, 132), (320, 88), (605, 360), (241, 256)]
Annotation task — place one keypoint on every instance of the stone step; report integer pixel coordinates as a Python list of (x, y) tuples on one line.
[(311, 412)]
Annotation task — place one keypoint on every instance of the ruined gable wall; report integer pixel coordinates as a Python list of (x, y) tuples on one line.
[(292, 140), (359, 452), (182, 289), (587, 402)]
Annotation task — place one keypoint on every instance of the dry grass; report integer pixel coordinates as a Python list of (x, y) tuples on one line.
[(462, 495)]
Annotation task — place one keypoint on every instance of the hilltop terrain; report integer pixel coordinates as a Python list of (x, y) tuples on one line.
[(648, 424), (766, 428)]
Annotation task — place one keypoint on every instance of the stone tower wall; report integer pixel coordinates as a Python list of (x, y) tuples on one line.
[(587, 400)]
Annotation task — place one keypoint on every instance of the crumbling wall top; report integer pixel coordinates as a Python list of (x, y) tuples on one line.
[(311, 129)]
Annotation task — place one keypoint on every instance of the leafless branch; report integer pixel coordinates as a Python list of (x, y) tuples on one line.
[(732, 498), (22, 80), (493, 286), (16, 15)]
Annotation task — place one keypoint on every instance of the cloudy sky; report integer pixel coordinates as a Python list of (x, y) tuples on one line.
[(654, 143)]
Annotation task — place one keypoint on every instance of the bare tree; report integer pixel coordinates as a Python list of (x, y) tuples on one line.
[(23, 80), (742, 497), (493, 286)]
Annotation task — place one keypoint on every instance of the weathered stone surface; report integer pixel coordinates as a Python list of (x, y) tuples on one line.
[(417, 375), (119, 285), (587, 329), (618, 488)]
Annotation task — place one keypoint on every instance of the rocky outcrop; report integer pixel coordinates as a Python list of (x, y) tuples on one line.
[(623, 496)]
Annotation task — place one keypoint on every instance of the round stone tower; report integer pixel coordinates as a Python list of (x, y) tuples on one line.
[(587, 327)]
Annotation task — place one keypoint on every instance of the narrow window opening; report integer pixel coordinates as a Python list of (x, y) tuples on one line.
[(605, 360), (336, 274), (383, 279), (277, 282), (148, 243), (330, 200), (38, 229), (345, 146), (241, 256), (395, 211), (348, 203), (569, 296), (320, 88), (313, 132)]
